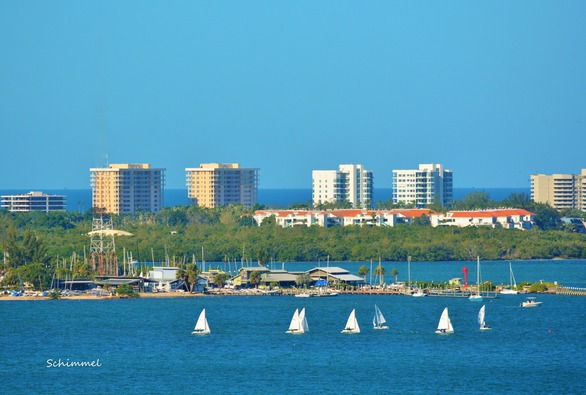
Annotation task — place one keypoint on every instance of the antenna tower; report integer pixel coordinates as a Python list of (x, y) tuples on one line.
[(103, 246)]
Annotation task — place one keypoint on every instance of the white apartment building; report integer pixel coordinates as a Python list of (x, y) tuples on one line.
[(34, 201), (127, 188), (340, 217), (561, 191), (506, 218), (350, 182), (217, 184), (428, 185)]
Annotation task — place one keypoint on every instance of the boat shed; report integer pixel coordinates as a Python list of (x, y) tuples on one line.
[(281, 277), (335, 275), (242, 278)]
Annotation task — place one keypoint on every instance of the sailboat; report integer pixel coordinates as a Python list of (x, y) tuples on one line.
[(445, 325), (512, 283), (483, 325), (378, 320), (298, 323), (201, 326), (352, 324), (477, 297)]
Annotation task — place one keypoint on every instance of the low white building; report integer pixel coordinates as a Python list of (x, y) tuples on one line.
[(329, 218), (504, 218), (34, 201)]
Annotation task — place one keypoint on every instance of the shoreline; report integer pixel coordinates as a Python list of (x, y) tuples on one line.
[(145, 295)]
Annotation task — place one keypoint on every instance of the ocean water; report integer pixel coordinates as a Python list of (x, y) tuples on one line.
[(81, 199), (146, 346)]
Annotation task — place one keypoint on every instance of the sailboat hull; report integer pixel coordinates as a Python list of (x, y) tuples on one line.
[(443, 332), (381, 327), (201, 332)]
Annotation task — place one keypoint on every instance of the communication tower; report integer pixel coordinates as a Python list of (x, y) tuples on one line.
[(103, 246)]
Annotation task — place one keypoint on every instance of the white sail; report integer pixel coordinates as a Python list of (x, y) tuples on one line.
[(445, 324), (378, 319), (352, 324), (298, 323), (303, 327), (481, 322), (294, 325), (201, 326)]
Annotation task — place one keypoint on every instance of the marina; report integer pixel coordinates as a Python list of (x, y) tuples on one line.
[(248, 350)]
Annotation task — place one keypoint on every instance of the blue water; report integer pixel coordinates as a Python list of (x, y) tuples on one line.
[(81, 199), (146, 346)]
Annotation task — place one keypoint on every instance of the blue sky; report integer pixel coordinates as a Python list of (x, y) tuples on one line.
[(493, 90)]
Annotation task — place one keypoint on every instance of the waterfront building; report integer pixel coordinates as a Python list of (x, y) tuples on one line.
[(128, 188), (34, 201), (350, 183), (215, 184), (340, 217), (561, 191), (499, 218), (334, 275), (430, 184)]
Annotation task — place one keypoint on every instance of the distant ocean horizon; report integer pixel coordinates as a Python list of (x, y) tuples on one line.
[(81, 199)]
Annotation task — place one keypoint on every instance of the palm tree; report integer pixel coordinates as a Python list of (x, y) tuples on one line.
[(380, 272), (395, 273), (363, 271), (254, 278)]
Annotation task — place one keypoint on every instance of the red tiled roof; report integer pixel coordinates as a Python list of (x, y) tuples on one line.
[(490, 213)]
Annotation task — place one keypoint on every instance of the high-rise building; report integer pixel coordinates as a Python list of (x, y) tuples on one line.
[(128, 188), (34, 201), (350, 182), (428, 185), (216, 184), (561, 191)]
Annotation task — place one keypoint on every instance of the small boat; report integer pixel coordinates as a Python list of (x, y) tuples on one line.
[(303, 295), (298, 323), (419, 293), (201, 326), (378, 320), (483, 325), (445, 325), (352, 324), (512, 283), (530, 302), (477, 297)]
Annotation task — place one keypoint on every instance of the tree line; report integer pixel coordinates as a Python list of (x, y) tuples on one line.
[(34, 245)]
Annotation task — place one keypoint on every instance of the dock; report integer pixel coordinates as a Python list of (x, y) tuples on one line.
[(573, 291)]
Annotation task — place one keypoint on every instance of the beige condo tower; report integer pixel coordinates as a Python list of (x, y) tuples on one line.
[(561, 191), (216, 184), (127, 188)]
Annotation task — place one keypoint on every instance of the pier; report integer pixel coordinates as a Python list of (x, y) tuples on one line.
[(574, 291)]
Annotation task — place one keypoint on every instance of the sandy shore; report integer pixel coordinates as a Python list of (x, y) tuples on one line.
[(93, 297)]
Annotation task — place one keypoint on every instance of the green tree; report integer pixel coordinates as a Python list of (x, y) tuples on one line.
[(303, 280), (126, 290), (192, 274), (395, 273), (380, 273), (221, 278), (546, 217), (254, 278), (474, 201), (363, 271)]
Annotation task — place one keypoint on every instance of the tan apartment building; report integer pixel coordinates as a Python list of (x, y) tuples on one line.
[(561, 191), (216, 184), (128, 188)]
